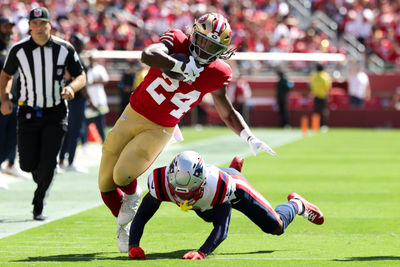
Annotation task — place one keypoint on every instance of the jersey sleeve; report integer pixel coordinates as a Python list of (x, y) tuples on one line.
[(157, 184), (175, 40), (224, 189), (223, 75), (73, 62)]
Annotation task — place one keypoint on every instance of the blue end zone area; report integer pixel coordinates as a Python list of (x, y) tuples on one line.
[(72, 192)]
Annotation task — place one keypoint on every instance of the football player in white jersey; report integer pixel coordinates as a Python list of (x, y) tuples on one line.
[(212, 192)]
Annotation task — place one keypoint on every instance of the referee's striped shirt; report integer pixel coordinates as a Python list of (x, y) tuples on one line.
[(42, 70)]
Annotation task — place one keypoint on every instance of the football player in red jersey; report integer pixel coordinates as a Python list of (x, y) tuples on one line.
[(157, 105), (212, 193)]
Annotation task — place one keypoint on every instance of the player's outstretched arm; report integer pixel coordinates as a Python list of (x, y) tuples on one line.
[(147, 209), (235, 121), (221, 219)]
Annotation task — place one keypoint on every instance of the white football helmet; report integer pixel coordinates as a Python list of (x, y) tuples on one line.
[(211, 38), (186, 176)]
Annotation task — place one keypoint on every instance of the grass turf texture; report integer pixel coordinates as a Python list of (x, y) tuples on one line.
[(352, 175)]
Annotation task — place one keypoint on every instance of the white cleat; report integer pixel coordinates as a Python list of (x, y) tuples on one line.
[(130, 204), (16, 172), (123, 237)]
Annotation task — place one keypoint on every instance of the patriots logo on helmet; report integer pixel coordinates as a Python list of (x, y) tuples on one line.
[(37, 13)]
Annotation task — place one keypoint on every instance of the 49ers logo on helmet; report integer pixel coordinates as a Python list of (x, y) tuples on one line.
[(203, 18)]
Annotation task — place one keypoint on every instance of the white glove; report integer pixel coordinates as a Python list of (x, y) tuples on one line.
[(256, 145), (192, 71)]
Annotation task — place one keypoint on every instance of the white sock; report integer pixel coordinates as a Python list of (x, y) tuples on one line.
[(300, 207)]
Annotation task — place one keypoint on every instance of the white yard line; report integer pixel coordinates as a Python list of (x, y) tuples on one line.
[(72, 193)]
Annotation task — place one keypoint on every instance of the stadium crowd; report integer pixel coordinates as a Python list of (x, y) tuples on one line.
[(262, 25), (375, 23)]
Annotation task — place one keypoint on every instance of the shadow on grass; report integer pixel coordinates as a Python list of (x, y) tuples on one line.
[(250, 252), (371, 258), (101, 256), (16, 221)]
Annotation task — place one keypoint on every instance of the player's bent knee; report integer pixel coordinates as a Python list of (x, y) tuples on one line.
[(278, 230), (123, 176)]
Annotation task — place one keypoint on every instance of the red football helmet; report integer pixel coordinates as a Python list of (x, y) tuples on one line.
[(210, 38)]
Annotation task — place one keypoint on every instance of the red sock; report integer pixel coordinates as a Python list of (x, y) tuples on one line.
[(129, 189), (113, 200)]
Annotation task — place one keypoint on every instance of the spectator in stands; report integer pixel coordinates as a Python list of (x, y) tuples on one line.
[(97, 77), (283, 86), (8, 123), (359, 88), (239, 92), (396, 99), (320, 84), (76, 115), (125, 85)]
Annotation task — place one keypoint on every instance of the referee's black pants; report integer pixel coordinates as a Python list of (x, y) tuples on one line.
[(40, 134)]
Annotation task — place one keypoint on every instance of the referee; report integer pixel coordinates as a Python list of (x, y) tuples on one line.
[(41, 60)]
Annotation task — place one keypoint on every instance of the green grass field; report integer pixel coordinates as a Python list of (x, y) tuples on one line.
[(353, 175)]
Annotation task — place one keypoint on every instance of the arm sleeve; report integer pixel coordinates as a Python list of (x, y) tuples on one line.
[(147, 209), (222, 216)]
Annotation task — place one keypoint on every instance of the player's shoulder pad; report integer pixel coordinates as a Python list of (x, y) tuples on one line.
[(221, 71), (173, 36)]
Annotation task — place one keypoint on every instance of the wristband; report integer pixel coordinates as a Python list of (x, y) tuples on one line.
[(245, 134), (70, 86), (177, 67)]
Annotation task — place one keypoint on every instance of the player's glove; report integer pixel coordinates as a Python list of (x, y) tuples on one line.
[(194, 255), (255, 143), (192, 71), (189, 70), (136, 253)]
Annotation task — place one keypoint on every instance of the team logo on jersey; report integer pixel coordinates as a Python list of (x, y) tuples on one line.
[(37, 13), (59, 72)]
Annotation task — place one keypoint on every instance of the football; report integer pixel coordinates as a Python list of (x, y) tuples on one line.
[(176, 75)]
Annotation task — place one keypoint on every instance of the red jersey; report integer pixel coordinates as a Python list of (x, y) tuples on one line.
[(164, 100)]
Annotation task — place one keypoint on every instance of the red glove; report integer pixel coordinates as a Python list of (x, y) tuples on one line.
[(193, 255), (136, 253)]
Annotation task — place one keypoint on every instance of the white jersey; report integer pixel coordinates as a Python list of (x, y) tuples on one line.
[(218, 188)]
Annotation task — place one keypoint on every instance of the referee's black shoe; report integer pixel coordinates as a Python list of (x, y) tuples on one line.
[(37, 214), (39, 217)]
